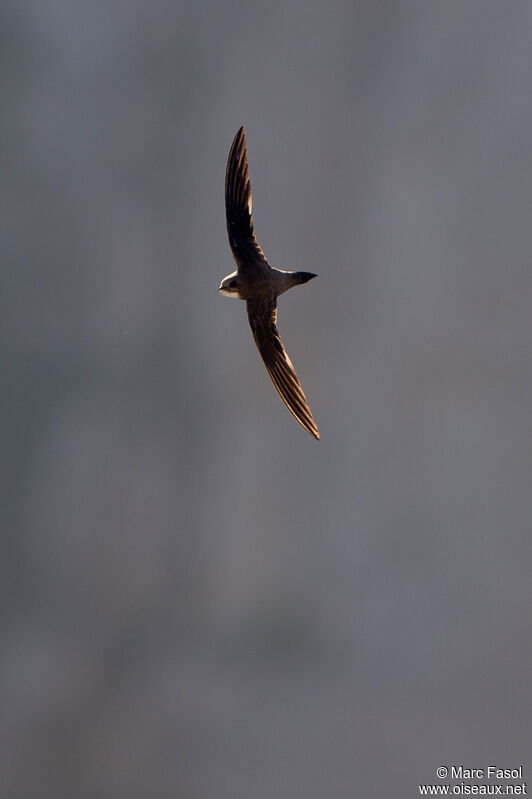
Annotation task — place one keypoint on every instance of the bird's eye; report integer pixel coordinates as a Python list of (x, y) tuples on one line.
[(232, 284)]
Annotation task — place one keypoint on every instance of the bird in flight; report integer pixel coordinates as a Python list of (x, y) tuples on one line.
[(259, 284)]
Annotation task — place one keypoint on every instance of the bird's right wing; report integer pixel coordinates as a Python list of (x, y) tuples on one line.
[(238, 205), (262, 315)]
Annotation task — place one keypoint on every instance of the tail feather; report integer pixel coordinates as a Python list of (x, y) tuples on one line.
[(304, 277)]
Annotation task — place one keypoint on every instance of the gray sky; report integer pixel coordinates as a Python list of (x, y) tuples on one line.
[(199, 600)]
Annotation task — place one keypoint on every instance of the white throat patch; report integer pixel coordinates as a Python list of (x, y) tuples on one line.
[(228, 293)]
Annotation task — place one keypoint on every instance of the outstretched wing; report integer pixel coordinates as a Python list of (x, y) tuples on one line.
[(242, 238), (262, 315)]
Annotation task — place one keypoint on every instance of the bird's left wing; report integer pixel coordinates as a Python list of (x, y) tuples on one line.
[(242, 239), (262, 315)]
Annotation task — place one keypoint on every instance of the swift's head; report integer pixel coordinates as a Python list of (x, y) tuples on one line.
[(230, 286)]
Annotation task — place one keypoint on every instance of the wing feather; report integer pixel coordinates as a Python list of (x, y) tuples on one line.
[(238, 205), (262, 315)]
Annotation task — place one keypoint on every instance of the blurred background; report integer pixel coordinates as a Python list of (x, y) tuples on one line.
[(198, 599)]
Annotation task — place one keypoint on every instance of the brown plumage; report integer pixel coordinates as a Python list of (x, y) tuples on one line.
[(259, 284)]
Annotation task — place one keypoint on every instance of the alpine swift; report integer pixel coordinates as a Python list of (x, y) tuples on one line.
[(259, 284)]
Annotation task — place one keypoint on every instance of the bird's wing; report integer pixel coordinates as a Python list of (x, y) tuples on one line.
[(262, 315), (244, 244)]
